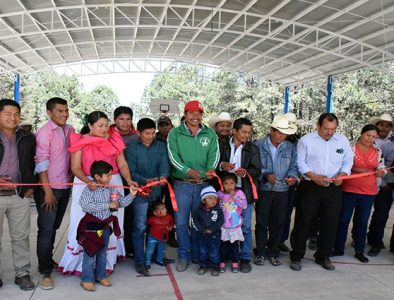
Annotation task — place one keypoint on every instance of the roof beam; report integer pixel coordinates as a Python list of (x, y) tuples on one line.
[(160, 22)]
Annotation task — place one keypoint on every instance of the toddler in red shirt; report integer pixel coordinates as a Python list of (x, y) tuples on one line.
[(159, 226)]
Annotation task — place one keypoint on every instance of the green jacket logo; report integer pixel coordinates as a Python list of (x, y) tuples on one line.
[(204, 141)]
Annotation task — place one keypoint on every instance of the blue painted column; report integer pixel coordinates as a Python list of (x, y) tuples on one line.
[(287, 99), (330, 90), (17, 88)]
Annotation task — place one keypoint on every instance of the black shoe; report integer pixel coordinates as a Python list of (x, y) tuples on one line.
[(373, 252), (24, 282), (361, 257), (391, 250), (141, 269), (167, 261), (1, 283), (245, 266), (283, 247), (215, 271), (312, 244), (325, 263), (130, 255), (295, 265)]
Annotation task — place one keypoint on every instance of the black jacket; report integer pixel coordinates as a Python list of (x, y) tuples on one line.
[(211, 219), (250, 161), (26, 143)]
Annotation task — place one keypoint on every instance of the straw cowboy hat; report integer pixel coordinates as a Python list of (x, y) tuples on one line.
[(291, 117), (384, 117), (283, 124), (222, 117)]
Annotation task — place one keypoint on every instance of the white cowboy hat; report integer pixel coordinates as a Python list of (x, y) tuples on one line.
[(283, 124), (384, 117), (222, 117), (291, 117)]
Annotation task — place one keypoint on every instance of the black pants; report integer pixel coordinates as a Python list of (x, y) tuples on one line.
[(271, 209), (48, 223), (316, 201), (128, 221), (290, 205), (382, 206), (229, 251)]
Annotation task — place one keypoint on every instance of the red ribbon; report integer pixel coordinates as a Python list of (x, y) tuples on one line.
[(254, 189), (143, 190), (218, 179)]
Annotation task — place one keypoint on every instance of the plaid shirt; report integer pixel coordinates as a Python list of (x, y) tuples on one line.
[(96, 202)]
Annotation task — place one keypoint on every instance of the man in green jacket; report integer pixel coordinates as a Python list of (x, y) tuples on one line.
[(194, 154)]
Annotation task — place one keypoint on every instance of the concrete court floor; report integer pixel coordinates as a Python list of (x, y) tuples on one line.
[(350, 280)]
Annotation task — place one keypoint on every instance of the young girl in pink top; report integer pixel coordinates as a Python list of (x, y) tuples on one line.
[(232, 201)]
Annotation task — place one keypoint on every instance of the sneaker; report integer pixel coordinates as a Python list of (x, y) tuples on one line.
[(245, 266), (141, 269), (46, 282), (259, 260), (215, 271), (373, 252), (181, 266), (295, 265), (88, 286), (201, 270), (222, 267), (282, 247), (235, 267), (24, 282), (312, 243), (105, 282)]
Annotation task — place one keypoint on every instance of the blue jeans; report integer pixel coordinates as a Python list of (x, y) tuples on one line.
[(48, 223), (140, 210), (361, 205), (93, 267), (209, 250), (150, 248), (246, 245), (188, 200)]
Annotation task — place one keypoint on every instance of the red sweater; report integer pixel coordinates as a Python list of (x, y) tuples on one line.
[(159, 226)]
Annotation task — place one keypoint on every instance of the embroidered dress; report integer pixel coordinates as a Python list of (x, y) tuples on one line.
[(93, 149), (232, 207)]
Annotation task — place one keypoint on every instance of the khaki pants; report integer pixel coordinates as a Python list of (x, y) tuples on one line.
[(17, 211)]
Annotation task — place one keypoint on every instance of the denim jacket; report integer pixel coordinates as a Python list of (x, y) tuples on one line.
[(285, 165)]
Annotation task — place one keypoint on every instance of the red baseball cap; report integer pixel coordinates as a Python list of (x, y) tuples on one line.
[(193, 105)]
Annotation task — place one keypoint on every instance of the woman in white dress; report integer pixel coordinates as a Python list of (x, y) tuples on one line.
[(98, 144)]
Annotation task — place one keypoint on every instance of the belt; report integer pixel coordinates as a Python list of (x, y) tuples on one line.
[(4, 193), (192, 181)]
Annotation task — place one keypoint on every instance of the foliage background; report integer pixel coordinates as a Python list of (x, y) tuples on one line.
[(357, 96)]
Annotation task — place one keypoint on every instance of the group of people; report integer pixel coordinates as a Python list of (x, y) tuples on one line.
[(219, 175)]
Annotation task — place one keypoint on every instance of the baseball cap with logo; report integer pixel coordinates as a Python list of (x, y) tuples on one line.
[(193, 105)]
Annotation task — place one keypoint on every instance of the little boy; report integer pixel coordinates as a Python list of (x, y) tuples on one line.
[(94, 228), (208, 221), (159, 226)]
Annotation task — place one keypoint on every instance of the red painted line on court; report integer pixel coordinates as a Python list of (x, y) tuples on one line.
[(174, 283)]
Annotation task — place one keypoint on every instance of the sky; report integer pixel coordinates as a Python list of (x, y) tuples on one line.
[(128, 86)]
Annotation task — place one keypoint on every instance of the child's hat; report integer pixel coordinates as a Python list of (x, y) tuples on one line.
[(207, 192)]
